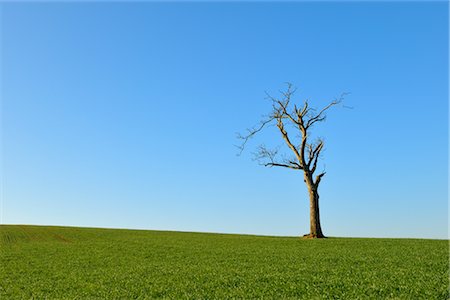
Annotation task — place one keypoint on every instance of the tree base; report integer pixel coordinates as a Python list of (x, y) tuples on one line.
[(314, 236)]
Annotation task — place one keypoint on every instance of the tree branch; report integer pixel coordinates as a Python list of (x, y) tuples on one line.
[(314, 156), (318, 178), (251, 133), (280, 107), (284, 133), (320, 116), (266, 154), (282, 165)]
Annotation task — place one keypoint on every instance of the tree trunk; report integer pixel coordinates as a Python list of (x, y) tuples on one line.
[(315, 228)]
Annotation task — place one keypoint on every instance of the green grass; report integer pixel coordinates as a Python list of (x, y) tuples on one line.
[(64, 262)]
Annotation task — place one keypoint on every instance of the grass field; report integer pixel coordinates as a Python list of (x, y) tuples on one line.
[(65, 262)]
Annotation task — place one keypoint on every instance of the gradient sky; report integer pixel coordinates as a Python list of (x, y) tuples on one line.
[(125, 115)]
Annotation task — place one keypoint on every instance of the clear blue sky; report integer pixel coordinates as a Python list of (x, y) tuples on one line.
[(124, 115)]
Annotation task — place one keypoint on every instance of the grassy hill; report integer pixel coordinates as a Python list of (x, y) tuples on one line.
[(70, 262)]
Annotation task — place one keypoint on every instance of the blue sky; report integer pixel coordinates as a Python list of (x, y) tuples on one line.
[(125, 115)]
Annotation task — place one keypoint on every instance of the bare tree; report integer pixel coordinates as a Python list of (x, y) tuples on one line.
[(305, 154)]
